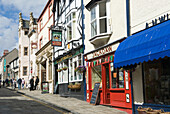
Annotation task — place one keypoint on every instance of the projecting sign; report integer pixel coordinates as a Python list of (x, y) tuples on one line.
[(56, 38), (4, 65)]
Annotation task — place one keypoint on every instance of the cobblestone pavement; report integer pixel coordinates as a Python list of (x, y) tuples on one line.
[(72, 104)]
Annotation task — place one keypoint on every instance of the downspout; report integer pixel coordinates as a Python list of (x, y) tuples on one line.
[(129, 34), (83, 37)]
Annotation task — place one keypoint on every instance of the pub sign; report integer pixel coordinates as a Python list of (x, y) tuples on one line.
[(56, 38)]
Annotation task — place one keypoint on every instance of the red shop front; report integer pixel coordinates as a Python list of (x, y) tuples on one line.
[(115, 87)]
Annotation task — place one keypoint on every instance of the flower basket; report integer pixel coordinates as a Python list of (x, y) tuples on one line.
[(76, 86), (59, 70), (80, 69), (65, 68)]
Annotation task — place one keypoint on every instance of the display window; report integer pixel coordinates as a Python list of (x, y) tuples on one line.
[(157, 82)]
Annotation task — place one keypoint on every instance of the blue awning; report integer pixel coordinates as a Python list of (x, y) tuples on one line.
[(150, 44)]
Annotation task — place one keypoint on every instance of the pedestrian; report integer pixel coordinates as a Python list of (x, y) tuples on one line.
[(0, 82), (14, 83), (11, 82), (36, 82), (31, 83), (23, 83), (6, 82), (19, 83), (3, 83)]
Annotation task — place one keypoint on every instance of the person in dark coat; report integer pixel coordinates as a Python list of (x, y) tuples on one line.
[(36, 82), (6, 81), (19, 83), (31, 83)]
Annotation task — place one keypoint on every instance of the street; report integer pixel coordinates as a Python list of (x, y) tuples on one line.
[(12, 102)]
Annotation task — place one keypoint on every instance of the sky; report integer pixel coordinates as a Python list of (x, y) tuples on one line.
[(9, 19)]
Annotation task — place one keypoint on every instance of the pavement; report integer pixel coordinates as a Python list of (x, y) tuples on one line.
[(73, 105)]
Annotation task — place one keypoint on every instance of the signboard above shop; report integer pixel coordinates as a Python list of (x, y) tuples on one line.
[(56, 38)]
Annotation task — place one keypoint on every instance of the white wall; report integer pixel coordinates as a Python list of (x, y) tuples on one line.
[(143, 11)]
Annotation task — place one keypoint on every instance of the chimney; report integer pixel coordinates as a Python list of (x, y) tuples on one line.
[(5, 52)]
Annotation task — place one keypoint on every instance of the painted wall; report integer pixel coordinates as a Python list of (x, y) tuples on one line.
[(143, 11)]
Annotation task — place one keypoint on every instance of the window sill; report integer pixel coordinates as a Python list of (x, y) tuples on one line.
[(118, 89)]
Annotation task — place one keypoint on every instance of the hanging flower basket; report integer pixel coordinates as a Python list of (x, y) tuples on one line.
[(59, 70), (65, 68), (76, 86), (80, 69)]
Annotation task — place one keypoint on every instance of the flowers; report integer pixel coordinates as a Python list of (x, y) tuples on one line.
[(65, 68), (80, 69), (59, 70)]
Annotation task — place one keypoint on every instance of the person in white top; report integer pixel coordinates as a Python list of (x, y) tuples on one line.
[(23, 83)]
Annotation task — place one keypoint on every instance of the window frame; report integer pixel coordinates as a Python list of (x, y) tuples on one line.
[(25, 70), (25, 51), (98, 18)]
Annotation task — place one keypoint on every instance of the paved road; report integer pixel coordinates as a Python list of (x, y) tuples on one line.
[(12, 102)]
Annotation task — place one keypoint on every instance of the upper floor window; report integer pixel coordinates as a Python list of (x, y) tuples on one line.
[(25, 32), (99, 19), (41, 23), (71, 26), (25, 50), (24, 71)]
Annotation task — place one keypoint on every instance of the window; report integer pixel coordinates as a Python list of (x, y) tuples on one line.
[(25, 32), (99, 19), (24, 71), (96, 75), (157, 82), (25, 50), (41, 23), (117, 77), (71, 26)]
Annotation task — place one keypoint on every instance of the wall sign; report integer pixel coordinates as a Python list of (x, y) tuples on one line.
[(4, 65), (126, 80), (94, 97), (56, 38), (102, 51)]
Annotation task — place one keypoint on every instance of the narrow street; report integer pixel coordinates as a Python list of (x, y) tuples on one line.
[(12, 102)]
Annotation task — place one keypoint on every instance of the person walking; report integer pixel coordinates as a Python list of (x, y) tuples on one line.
[(14, 83), (36, 82), (19, 83), (0, 82), (31, 83), (23, 83), (3, 83), (6, 81)]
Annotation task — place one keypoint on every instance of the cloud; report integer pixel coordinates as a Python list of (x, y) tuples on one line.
[(8, 33), (25, 6)]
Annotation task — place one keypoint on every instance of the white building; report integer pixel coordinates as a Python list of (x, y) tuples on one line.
[(44, 56)]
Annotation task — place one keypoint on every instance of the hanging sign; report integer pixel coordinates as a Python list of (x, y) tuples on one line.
[(4, 65), (56, 38)]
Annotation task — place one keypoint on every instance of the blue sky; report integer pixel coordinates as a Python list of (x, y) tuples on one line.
[(9, 16)]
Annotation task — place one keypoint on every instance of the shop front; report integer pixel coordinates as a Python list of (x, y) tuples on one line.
[(115, 87), (69, 78), (147, 55)]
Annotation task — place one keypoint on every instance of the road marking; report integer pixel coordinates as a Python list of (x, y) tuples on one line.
[(44, 104)]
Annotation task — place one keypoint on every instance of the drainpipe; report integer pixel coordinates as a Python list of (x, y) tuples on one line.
[(83, 37)]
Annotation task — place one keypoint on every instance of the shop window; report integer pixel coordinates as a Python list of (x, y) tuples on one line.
[(24, 71), (99, 19), (117, 77), (96, 75), (157, 82), (25, 51), (25, 32)]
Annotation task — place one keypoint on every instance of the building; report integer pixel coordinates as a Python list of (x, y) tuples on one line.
[(105, 27), (68, 49), (23, 51), (44, 55), (146, 54), (14, 68), (8, 69)]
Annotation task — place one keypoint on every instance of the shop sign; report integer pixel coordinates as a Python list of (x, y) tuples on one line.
[(4, 65), (103, 51), (56, 38), (63, 58)]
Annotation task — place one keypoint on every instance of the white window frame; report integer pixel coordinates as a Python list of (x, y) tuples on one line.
[(98, 18), (63, 75), (75, 59), (71, 21)]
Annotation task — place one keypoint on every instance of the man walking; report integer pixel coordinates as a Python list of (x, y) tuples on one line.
[(19, 83), (36, 82), (31, 83)]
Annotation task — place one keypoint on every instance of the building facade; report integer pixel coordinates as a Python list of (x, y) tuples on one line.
[(69, 53), (44, 56), (105, 28)]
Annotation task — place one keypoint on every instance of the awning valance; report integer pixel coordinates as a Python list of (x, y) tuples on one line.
[(150, 44)]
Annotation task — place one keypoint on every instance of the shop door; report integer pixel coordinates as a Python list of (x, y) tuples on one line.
[(106, 83)]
